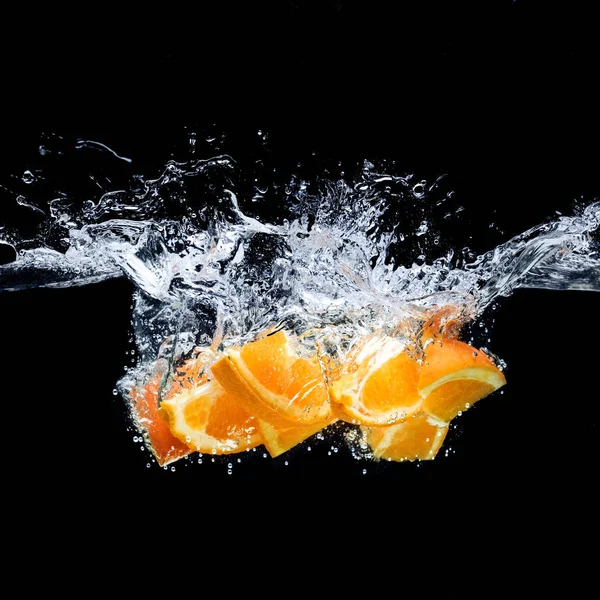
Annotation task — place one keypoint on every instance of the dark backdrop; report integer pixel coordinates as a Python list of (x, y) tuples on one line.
[(498, 95)]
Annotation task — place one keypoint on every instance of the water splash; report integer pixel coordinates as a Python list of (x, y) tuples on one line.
[(219, 253)]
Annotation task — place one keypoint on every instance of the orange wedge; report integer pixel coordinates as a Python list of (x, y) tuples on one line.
[(201, 414), (278, 440), (454, 376), (377, 384), (165, 447), (416, 438), (273, 382)]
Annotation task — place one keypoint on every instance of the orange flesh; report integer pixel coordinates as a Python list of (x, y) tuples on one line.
[(268, 360), (413, 439), (227, 375), (165, 446), (280, 440), (393, 385), (228, 420), (447, 400), (448, 356), (274, 384)]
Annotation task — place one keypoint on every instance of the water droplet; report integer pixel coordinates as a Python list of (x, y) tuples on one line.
[(423, 228), (28, 177)]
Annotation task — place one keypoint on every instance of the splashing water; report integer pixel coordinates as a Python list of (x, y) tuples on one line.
[(214, 263)]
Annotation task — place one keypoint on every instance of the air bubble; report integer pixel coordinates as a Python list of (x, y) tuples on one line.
[(28, 177)]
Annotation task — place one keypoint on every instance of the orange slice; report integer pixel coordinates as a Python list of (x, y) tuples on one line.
[(278, 440), (416, 438), (377, 384), (273, 382), (165, 447), (454, 376), (206, 418)]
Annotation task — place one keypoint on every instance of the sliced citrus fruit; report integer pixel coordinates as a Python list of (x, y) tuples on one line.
[(415, 438), (165, 447), (206, 418), (377, 384), (273, 382), (278, 440), (454, 376)]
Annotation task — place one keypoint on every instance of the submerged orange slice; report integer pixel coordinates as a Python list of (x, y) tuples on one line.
[(208, 420), (273, 382), (278, 440), (455, 376), (165, 447), (416, 438), (378, 383)]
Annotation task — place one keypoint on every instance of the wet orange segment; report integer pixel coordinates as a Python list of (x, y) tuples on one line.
[(208, 419), (228, 420), (449, 399), (394, 386), (416, 438), (269, 361), (271, 381), (455, 375), (164, 445), (278, 440), (377, 385), (306, 385), (449, 355), (228, 375)]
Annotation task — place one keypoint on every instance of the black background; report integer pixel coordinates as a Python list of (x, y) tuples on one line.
[(500, 97)]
